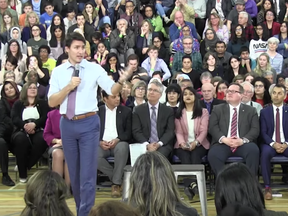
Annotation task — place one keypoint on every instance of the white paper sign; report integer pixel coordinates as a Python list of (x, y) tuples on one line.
[(135, 151)]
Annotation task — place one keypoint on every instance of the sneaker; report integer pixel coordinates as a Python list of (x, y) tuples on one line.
[(16, 168), (166, 19), (23, 180), (6, 180)]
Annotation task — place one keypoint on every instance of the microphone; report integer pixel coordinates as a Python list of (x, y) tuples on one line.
[(77, 67)]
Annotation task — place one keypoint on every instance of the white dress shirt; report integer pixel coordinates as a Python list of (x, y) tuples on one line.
[(282, 137), (110, 130), (91, 76)]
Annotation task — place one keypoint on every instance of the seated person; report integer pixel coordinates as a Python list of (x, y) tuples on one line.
[(52, 136), (152, 176), (138, 95), (179, 23), (173, 93), (10, 76), (187, 50), (34, 64), (133, 63), (9, 94), (85, 27), (28, 116), (11, 65), (53, 185), (158, 132), (191, 128), (133, 18), (115, 135), (234, 127), (209, 101), (48, 63), (153, 63), (46, 18), (122, 40), (247, 96), (36, 41), (273, 119), (113, 208)]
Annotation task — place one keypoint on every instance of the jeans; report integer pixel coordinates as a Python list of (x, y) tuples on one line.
[(162, 10)]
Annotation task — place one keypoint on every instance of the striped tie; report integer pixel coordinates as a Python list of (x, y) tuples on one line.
[(153, 133), (233, 132)]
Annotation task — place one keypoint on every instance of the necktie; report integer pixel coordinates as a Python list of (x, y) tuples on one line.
[(70, 113), (154, 133), (277, 124), (208, 106), (234, 126)]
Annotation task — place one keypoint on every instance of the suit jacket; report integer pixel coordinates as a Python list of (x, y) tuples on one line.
[(226, 7), (200, 129), (52, 127), (267, 124), (214, 103), (141, 125), (248, 122), (123, 122)]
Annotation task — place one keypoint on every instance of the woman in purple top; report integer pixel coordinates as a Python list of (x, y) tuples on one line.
[(52, 136)]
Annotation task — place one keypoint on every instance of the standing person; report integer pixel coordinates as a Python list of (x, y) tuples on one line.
[(79, 124)]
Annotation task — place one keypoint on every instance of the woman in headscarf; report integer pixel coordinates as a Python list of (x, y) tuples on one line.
[(209, 42), (177, 44)]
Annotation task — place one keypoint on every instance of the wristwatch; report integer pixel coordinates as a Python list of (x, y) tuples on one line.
[(245, 140)]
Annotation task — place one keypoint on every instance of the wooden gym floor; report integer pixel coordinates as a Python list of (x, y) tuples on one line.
[(12, 203)]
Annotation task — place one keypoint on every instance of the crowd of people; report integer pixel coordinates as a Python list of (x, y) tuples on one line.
[(210, 79)]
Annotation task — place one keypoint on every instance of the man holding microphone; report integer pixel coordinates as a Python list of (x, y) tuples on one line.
[(77, 80)]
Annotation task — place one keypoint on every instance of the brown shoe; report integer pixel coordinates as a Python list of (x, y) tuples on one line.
[(268, 194), (115, 193)]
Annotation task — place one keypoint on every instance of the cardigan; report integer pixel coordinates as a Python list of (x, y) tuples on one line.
[(18, 108)]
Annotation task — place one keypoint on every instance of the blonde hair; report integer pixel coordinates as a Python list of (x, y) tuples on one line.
[(150, 25), (153, 187), (258, 70), (3, 25), (217, 16), (32, 13)]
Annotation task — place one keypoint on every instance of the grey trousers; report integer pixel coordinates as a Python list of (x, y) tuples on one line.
[(120, 154), (122, 59)]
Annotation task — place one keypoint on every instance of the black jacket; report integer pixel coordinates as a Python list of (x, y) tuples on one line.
[(17, 110), (123, 122)]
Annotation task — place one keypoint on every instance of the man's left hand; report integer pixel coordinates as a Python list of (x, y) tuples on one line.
[(113, 143)]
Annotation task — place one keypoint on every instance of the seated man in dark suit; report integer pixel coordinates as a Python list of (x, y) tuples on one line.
[(274, 122), (233, 127), (209, 101), (115, 134), (153, 122)]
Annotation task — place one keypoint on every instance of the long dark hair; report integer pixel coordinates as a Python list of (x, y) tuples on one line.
[(19, 55), (24, 96), (236, 184), (265, 35), (234, 38), (107, 65), (197, 108), (174, 87), (14, 85), (53, 25), (279, 36), (38, 60), (266, 83), (53, 42)]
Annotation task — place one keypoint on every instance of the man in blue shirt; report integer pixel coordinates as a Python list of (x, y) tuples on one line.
[(77, 80), (46, 18)]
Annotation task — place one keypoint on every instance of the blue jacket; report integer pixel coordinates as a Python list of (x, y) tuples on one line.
[(174, 32)]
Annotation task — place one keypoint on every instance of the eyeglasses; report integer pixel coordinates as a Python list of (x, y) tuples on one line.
[(259, 86), (32, 88), (238, 30), (140, 88), (186, 30), (247, 92), (231, 91), (153, 90), (158, 41), (269, 14)]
